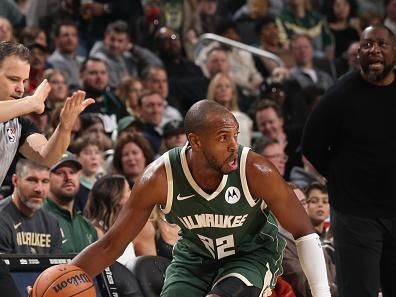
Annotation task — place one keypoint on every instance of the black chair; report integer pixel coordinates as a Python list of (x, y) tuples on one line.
[(126, 282), (150, 273)]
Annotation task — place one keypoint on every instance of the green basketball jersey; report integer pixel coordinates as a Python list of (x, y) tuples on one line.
[(227, 222)]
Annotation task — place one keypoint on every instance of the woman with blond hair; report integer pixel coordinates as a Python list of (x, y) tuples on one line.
[(223, 90), (128, 91), (59, 87), (6, 30)]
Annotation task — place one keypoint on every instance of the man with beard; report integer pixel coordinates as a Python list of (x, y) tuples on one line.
[(349, 139), (65, 56), (185, 79), (122, 56), (222, 195), (94, 76), (24, 227), (64, 183), (169, 49)]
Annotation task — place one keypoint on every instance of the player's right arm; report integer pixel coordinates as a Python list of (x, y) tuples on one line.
[(150, 189), (10, 109), (264, 181)]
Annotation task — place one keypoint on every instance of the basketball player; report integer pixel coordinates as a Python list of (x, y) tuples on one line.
[(222, 195)]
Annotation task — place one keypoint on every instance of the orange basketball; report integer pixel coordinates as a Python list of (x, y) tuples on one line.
[(63, 281)]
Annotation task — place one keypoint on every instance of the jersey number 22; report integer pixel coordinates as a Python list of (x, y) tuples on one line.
[(222, 246)]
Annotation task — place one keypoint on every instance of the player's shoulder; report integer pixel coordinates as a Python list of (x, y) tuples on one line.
[(152, 183), (256, 163), (155, 171)]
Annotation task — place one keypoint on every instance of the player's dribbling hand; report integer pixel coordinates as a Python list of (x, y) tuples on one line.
[(74, 105), (38, 98)]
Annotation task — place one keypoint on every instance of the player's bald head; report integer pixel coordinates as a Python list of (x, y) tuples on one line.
[(198, 116)]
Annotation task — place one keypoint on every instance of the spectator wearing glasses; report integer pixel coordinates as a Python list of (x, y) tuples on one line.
[(348, 61), (57, 79), (273, 151), (270, 123), (155, 79)]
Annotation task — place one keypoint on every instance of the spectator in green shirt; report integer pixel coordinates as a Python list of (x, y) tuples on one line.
[(77, 231)]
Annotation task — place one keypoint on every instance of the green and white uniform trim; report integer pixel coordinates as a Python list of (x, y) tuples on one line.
[(225, 233)]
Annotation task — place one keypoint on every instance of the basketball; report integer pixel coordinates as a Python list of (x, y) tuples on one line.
[(63, 281)]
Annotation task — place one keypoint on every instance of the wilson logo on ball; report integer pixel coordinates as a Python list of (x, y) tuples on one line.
[(74, 280)]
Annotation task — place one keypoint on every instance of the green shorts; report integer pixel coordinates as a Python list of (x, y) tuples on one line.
[(192, 275)]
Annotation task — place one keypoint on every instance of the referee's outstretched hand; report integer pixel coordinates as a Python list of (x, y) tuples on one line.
[(39, 96), (74, 105)]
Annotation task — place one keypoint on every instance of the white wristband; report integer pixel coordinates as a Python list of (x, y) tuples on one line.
[(312, 261)]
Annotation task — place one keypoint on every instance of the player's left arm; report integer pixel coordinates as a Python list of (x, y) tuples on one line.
[(265, 182)]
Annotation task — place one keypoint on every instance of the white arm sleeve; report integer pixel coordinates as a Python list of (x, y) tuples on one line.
[(312, 261)]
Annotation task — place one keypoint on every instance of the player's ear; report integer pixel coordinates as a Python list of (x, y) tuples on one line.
[(194, 141)]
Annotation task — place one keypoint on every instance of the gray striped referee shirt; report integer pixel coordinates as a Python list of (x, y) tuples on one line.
[(13, 134)]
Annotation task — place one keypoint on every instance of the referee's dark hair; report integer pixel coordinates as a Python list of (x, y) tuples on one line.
[(10, 48)]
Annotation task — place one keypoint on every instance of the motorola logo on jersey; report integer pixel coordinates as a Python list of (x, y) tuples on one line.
[(232, 195)]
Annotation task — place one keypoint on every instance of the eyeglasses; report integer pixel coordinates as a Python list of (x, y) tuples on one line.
[(281, 157)]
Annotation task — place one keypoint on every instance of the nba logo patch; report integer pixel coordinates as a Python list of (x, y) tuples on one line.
[(232, 195), (11, 135)]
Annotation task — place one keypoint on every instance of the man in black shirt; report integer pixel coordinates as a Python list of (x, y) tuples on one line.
[(24, 227), (349, 139)]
